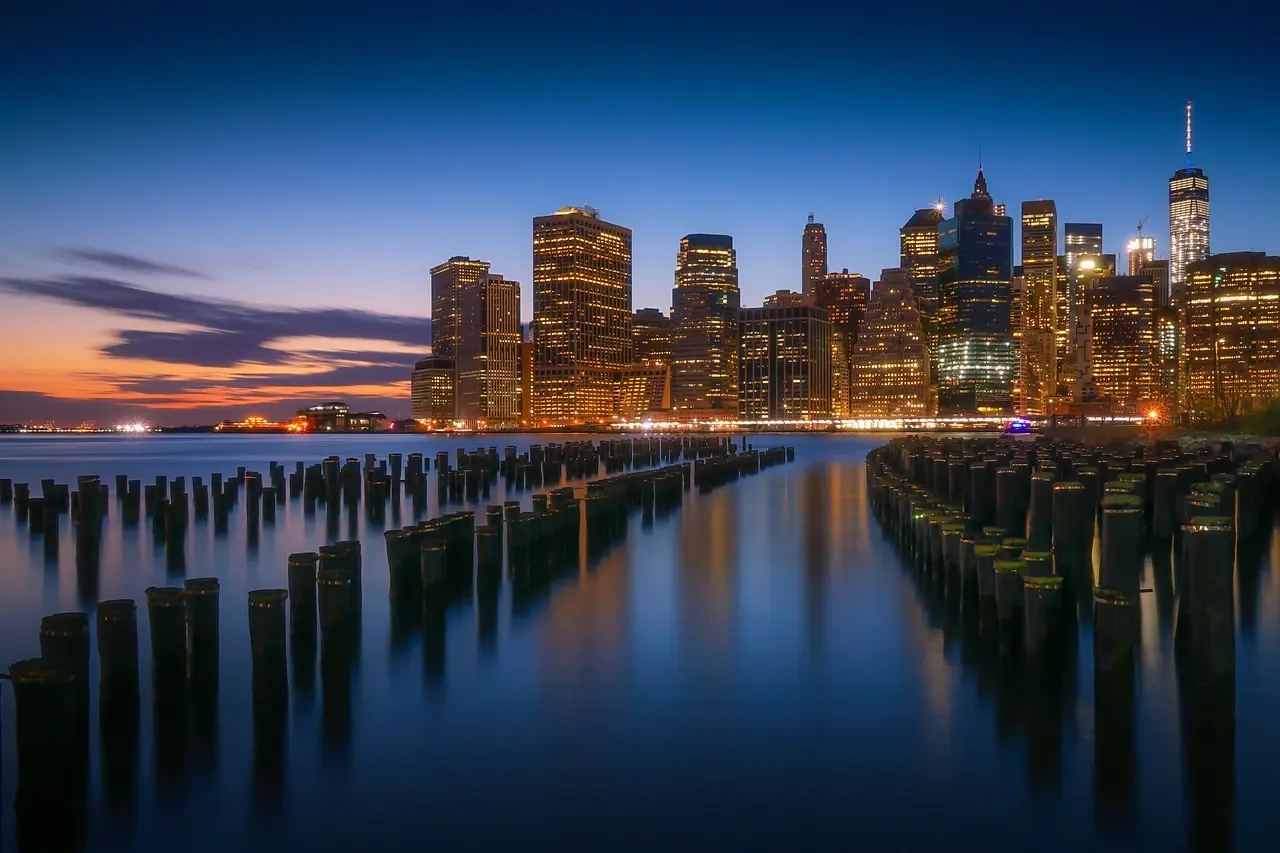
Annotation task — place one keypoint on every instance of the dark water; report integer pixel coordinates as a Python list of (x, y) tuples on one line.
[(758, 670)]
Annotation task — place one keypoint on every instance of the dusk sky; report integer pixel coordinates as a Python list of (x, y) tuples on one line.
[(234, 211)]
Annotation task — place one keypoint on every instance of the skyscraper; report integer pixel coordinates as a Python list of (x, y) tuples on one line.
[(447, 280), (844, 295), (1188, 217), (1081, 238), (1017, 296), (704, 328), (488, 352), (918, 254), (890, 368), (581, 314), (1232, 334), (1141, 251), (813, 260), (433, 400), (785, 364), (1124, 352), (975, 364), (652, 332), (1039, 362)]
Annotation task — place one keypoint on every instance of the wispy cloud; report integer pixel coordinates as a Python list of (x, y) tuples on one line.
[(225, 352), (223, 334), (124, 262)]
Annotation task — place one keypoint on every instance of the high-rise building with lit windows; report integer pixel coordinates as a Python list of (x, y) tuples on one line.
[(1073, 318), (447, 281), (844, 294), (488, 352), (1124, 350), (785, 364), (975, 359), (651, 330), (787, 298), (1142, 252), (1232, 334), (704, 328), (813, 255), (1038, 374), (1017, 295), (581, 314), (890, 369), (1188, 216), (433, 401), (1081, 239), (918, 254)]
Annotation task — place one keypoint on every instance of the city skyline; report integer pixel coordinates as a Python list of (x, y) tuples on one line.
[(228, 187)]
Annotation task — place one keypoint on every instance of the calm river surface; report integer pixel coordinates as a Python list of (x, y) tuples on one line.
[(758, 670)]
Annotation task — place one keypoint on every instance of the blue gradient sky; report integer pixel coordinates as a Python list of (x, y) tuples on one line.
[(300, 157)]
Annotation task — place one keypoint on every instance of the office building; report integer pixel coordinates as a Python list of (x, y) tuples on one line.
[(785, 364), (488, 352), (447, 281), (1141, 251), (433, 401), (975, 255), (813, 255), (844, 295), (1017, 293), (581, 313), (918, 254), (1074, 280), (1037, 340), (890, 370), (526, 383), (1081, 239), (643, 388), (704, 328), (1232, 334), (651, 330), (786, 298), (1188, 216), (1124, 350)]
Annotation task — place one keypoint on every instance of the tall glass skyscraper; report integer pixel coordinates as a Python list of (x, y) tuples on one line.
[(1188, 217), (1081, 239), (581, 315), (975, 359), (813, 256), (704, 328), (1039, 308)]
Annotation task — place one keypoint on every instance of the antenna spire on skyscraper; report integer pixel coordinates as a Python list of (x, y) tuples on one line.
[(1188, 134)]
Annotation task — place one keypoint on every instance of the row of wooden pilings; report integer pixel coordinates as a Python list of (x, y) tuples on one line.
[(1007, 529), (321, 607)]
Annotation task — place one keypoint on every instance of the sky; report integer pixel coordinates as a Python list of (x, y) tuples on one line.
[(233, 210)]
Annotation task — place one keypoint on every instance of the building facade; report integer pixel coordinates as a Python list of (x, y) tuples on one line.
[(785, 364), (651, 330), (1038, 356), (704, 328), (787, 298), (447, 281), (918, 255), (433, 401), (582, 315), (813, 255), (1188, 217), (975, 359), (1081, 239), (488, 352), (890, 369), (1124, 347), (844, 295), (1232, 334)]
